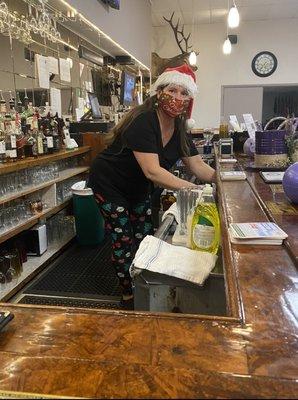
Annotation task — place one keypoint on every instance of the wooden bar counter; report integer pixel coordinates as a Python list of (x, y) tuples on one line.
[(251, 353)]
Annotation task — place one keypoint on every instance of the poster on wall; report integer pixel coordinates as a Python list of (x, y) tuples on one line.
[(64, 70)]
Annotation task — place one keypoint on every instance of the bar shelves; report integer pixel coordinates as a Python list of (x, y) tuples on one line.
[(31, 268), (31, 192), (43, 160), (63, 175), (37, 180), (28, 223)]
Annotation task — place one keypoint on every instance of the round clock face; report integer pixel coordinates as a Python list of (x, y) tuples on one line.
[(264, 64)]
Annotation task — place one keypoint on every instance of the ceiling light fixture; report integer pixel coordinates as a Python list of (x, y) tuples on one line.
[(233, 17), (227, 46), (192, 58)]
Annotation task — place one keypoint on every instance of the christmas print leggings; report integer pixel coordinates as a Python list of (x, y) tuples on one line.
[(127, 228)]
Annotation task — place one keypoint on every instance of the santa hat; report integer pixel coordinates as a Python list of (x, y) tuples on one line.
[(182, 76)]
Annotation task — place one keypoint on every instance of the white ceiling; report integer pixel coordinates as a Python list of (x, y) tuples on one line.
[(215, 11)]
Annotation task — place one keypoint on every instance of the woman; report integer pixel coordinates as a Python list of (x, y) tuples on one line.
[(147, 143)]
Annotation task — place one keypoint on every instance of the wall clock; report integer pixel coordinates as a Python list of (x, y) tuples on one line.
[(264, 64)]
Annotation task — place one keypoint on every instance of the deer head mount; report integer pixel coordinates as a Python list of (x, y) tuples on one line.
[(159, 64)]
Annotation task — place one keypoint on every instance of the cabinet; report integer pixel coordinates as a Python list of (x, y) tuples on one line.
[(24, 181)]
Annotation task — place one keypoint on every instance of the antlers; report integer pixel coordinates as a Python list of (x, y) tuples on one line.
[(181, 32)]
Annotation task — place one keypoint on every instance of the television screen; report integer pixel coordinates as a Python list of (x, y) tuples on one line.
[(127, 89), (96, 111), (112, 3)]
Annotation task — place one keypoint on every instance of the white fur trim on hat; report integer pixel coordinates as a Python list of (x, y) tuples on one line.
[(178, 79), (190, 123)]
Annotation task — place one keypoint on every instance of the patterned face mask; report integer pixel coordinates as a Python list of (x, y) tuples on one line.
[(172, 106)]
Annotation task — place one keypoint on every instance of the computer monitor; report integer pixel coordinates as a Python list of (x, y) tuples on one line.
[(95, 109), (127, 89)]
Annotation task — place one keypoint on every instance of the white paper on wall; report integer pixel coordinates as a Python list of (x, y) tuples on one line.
[(53, 65), (81, 68), (42, 71), (64, 70), (56, 101)]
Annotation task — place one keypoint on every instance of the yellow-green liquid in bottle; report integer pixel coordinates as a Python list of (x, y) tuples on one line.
[(205, 230)]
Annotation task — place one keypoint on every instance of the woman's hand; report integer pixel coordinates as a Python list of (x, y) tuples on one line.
[(199, 168)]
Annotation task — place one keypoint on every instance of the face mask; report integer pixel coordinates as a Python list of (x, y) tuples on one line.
[(172, 106)]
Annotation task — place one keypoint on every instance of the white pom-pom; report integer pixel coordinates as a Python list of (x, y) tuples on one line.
[(190, 123)]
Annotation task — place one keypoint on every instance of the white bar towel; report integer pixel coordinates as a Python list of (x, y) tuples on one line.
[(158, 256), (172, 210)]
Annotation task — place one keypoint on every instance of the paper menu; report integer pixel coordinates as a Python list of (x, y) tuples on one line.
[(253, 230), (250, 125), (64, 70), (235, 124), (53, 65), (42, 71), (55, 95)]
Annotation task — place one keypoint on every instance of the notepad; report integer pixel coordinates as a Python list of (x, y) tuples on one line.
[(232, 175), (256, 233)]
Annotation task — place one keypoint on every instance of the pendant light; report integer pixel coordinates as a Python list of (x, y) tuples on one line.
[(233, 17), (192, 58), (227, 46)]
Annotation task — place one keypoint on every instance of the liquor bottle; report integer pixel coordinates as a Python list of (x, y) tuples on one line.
[(56, 140), (3, 109), (41, 125), (20, 137), (50, 141), (19, 104), (26, 100), (2, 147), (11, 102), (39, 140), (30, 144), (10, 142)]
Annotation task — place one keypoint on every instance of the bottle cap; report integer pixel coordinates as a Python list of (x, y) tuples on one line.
[(208, 189)]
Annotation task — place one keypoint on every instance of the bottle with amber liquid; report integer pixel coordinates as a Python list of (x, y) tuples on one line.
[(223, 128)]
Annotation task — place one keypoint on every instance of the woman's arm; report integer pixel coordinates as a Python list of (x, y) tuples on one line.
[(149, 163), (199, 168)]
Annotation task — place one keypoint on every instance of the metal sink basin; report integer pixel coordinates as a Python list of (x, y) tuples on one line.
[(163, 293)]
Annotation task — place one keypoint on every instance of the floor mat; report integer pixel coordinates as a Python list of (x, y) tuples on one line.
[(69, 302), (81, 271)]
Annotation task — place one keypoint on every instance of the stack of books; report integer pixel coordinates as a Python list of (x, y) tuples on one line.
[(256, 233)]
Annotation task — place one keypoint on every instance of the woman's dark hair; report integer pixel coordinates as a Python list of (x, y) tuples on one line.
[(150, 104)]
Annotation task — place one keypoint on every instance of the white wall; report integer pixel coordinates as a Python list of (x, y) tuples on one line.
[(216, 69), (130, 26)]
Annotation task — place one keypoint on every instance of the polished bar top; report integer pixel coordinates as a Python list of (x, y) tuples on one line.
[(252, 353)]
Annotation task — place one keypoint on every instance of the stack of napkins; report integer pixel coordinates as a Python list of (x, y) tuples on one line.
[(256, 233), (155, 255), (233, 175)]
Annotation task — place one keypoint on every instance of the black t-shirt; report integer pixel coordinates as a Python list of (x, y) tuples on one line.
[(116, 174)]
